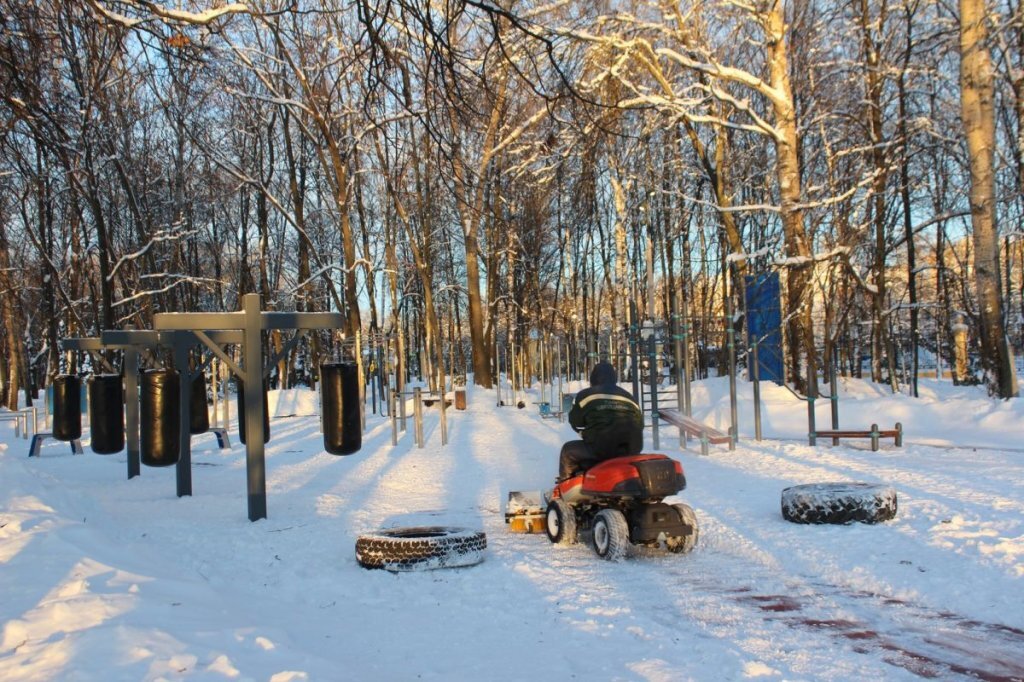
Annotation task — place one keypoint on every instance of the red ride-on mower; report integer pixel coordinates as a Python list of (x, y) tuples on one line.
[(620, 500)]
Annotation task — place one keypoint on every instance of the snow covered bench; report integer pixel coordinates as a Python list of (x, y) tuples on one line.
[(707, 435), (874, 434)]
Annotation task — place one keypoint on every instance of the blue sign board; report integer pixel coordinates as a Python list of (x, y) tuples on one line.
[(764, 320)]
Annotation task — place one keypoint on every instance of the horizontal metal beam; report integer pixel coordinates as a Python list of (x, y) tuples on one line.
[(268, 320), (90, 343), (303, 320), (204, 321), (139, 338)]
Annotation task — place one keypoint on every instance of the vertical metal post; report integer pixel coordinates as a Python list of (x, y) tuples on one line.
[(812, 436), (687, 404), (444, 403), (834, 398), (226, 405), (651, 358), (401, 410), (394, 418), (362, 382), (184, 466), (512, 368), (633, 351), (373, 376), (561, 417), (213, 389), (417, 415), (874, 438), (734, 428), (255, 461), (677, 352), (757, 393), (542, 346), (131, 410)]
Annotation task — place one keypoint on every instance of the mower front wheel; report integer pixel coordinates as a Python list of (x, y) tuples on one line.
[(611, 534), (561, 523)]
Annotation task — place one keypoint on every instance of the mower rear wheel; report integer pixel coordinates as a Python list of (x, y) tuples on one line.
[(681, 544), (561, 523), (611, 534)]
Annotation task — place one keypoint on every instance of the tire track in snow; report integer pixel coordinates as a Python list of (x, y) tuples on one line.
[(924, 641)]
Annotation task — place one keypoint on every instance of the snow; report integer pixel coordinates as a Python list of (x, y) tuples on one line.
[(108, 579)]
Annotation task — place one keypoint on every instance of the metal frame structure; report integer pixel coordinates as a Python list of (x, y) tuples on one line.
[(132, 343), (245, 328)]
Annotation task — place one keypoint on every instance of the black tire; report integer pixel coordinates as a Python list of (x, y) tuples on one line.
[(611, 534), (421, 548), (560, 523), (839, 503), (682, 544)]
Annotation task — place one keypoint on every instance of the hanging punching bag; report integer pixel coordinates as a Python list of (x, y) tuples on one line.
[(240, 388), (160, 418), (67, 407), (106, 413), (339, 407), (199, 421)]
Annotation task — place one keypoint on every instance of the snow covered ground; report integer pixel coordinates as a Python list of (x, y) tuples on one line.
[(107, 579)]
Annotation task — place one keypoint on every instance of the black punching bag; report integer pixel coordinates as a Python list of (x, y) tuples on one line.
[(199, 421), (240, 387), (106, 413), (67, 407), (339, 405), (160, 418)]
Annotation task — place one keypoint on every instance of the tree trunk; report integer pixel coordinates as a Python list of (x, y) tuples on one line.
[(799, 298), (976, 92)]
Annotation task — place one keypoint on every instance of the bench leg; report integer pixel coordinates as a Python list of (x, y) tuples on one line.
[(36, 445), (874, 438), (223, 441), (899, 435), (704, 445)]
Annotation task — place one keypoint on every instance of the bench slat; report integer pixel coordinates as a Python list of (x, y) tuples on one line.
[(693, 426), (856, 434)]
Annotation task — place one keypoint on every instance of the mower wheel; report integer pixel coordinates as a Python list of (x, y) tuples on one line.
[(681, 544), (422, 548), (611, 534), (838, 503), (561, 523)]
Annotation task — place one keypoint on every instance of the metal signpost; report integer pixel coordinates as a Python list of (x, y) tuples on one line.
[(247, 326)]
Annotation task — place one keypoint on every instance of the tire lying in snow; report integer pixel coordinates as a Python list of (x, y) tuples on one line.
[(420, 548), (838, 503)]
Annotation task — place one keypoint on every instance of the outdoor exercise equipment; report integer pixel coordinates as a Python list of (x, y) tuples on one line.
[(674, 406), (835, 433), (106, 413), (181, 345), (132, 343), (160, 418), (67, 407), (245, 328), (339, 405)]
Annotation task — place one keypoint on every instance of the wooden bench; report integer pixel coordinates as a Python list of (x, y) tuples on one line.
[(707, 435), (874, 434)]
